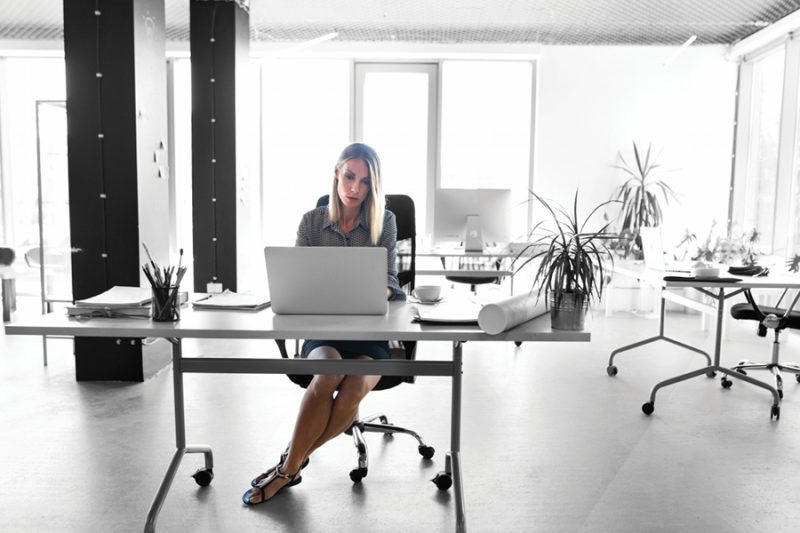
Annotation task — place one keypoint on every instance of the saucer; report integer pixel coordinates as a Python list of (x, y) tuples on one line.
[(415, 300)]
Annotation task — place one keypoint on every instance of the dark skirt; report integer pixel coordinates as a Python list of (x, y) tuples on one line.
[(350, 349)]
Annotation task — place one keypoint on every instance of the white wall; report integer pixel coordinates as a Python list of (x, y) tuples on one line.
[(594, 101)]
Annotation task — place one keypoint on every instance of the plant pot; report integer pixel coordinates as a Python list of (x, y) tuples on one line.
[(568, 310)]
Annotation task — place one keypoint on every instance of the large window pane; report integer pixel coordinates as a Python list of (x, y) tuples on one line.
[(395, 102), (762, 169), (486, 124), (53, 177), (27, 81), (306, 124)]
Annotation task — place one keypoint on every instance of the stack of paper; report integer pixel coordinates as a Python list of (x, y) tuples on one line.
[(232, 301), (118, 301), (450, 312)]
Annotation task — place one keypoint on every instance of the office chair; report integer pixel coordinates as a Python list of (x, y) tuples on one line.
[(403, 208), (776, 319), (472, 281)]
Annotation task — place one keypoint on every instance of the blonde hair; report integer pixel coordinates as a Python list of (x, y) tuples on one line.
[(374, 203)]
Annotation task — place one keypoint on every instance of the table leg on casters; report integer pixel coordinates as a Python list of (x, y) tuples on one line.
[(611, 369), (202, 477), (710, 370), (455, 439)]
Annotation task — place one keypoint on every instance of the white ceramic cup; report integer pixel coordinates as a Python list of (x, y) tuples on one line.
[(427, 293)]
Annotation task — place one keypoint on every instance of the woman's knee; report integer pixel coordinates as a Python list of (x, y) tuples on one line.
[(354, 388), (325, 384)]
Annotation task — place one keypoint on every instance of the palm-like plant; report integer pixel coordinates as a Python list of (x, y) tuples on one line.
[(572, 257), (641, 196)]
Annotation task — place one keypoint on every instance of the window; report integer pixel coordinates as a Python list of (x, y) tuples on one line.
[(762, 160), (306, 123), (396, 114), (26, 82), (486, 124)]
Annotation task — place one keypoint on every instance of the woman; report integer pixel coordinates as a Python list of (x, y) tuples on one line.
[(355, 216)]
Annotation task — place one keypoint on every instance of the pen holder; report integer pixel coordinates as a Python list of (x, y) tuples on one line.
[(166, 304)]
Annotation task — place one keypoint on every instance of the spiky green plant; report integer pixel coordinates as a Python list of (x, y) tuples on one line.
[(641, 195), (572, 257)]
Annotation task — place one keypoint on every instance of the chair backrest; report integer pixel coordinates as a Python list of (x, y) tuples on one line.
[(403, 208), (405, 213)]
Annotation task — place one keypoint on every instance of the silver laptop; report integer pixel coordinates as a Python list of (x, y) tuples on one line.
[(654, 253), (321, 280)]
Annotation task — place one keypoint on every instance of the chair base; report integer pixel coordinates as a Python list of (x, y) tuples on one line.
[(775, 368), (368, 425)]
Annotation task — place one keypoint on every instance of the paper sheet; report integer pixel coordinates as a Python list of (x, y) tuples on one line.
[(499, 316)]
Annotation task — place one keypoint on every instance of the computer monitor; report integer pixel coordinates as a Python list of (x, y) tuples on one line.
[(452, 207)]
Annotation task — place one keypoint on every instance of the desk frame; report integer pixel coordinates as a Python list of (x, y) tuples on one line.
[(717, 291), (396, 325)]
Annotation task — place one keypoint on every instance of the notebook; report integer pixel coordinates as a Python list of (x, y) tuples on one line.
[(321, 280)]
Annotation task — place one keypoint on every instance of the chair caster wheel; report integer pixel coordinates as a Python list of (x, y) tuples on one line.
[(611, 370), (775, 412), (203, 477), (780, 394), (726, 383), (426, 451), (741, 371), (443, 481), (357, 474), (711, 374), (517, 344), (648, 408), (797, 378)]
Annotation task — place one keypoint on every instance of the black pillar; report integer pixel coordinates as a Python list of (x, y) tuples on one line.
[(116, 112), (219, 48)]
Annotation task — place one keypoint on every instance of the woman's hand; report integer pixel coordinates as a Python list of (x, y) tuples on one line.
[(388, 293)]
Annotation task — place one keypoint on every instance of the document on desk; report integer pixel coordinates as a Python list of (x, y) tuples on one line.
[(449, 312), (232, 301), (118, 296)]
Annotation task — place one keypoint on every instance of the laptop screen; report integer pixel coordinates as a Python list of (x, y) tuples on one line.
[(327, 280)]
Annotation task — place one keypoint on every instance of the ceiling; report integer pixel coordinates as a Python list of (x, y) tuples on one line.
[(565, 22)]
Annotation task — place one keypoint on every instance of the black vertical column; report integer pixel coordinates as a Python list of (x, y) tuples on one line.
[(219, 47), (105, 41)]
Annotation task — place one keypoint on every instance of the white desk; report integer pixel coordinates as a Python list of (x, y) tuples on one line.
[(719, 291), (396, 325), (445, 253)]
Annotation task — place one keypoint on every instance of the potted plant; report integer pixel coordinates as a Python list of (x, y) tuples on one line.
[(572, 269), (641, 196)]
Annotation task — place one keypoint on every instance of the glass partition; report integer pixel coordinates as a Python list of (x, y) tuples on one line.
[(52, 256)]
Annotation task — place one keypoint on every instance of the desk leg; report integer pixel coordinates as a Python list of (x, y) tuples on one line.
[(453, 459), (710, 370), (180, 443), (612, 370)]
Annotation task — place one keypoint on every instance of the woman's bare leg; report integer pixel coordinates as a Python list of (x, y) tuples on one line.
[(312, 420), (322, 416), (352, 390)]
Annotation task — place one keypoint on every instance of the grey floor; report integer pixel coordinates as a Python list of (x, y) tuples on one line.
[(550, 444)]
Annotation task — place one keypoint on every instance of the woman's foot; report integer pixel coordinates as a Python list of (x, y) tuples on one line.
[(271, 469), (268, 487)]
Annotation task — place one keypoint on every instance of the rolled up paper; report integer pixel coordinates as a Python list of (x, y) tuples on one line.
[(497, 317)]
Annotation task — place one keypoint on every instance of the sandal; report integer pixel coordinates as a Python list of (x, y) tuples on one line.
[(293, 480), (271, 469)]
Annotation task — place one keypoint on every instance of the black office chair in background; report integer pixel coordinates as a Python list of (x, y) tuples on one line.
[(774, 318), (403, 208), (467, 264)]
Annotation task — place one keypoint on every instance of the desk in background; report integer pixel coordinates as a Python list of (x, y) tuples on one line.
[(450, 260), (719, 291), (398, 325)]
